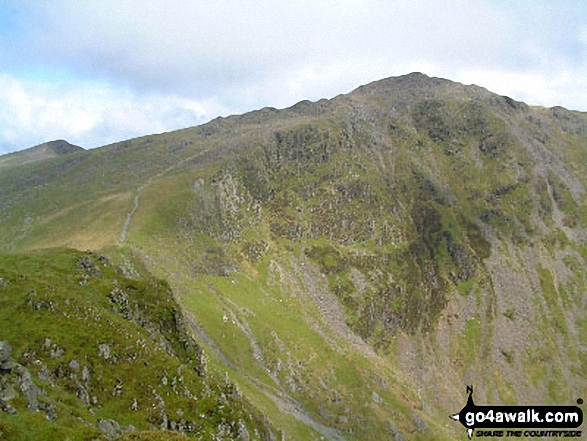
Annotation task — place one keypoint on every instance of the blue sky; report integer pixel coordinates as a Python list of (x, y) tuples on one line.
[(95, 72)]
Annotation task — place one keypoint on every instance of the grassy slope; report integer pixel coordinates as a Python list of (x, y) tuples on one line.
[(57, 314)]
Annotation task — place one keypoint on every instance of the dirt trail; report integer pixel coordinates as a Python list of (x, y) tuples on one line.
[(290, 406), (205, 338), (129, 215), (282, 399)]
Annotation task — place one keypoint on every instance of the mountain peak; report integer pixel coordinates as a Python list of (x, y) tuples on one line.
[(39, 152), (59, 147)]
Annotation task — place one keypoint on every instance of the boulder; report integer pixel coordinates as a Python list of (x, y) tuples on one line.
[(5, 353)]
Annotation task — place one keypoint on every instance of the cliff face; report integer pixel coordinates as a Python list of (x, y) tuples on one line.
[(352, 263)]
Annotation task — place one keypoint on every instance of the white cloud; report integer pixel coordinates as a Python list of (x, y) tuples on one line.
[(535, 88), (202, 47), (89, 114)]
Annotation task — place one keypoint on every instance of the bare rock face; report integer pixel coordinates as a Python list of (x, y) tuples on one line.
[(88, 266), (104, 351), (110, 428), (5, 352), (7, 390), (16, 380)]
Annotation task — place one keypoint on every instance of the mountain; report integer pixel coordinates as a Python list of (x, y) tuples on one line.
[(352, 263), (38, 153)]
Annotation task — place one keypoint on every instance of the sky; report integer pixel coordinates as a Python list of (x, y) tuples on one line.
[(95, 72)]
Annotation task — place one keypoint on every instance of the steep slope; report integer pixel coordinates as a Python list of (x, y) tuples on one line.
[(39, 153), (89, 353), (351, 263)]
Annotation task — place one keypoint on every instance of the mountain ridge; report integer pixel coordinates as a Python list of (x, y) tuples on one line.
[(377, 86)]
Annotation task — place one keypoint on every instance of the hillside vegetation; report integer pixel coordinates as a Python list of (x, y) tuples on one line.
[(350, 264), (90, 352)]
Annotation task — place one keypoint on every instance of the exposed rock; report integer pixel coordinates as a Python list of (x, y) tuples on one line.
[(242, 432), (30, 391), (86, 374), (104, 351), (46, 375), (7, 393), (376, 398), (60, 372), (57, 352), (110, 428), (6, 407), (82, 394), (74, 365), (89, 267), (49, 409), (121, 299), (101, 258), (421, 425), (118, 387), (393, 432), (5, 353)]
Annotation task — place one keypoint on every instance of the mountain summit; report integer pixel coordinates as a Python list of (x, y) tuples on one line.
[(39, 152), (350, 264)]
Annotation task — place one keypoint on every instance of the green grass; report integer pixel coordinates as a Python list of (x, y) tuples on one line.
[(50, 303)]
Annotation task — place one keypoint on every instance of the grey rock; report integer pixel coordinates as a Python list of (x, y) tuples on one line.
[(342, 419), (382, 383), (49, 409), (122, 300), (6, 407), (104, 351), (376, 398), (164, 420), (57, 352), (5, 353), (82, 394), (88, 265), (421, 425), (110, 428), (46, 375), (74, 365), (86, 374), (7, 391), (30, 391), (242, 432), (118, 387), (59, 372), (393, 432)]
